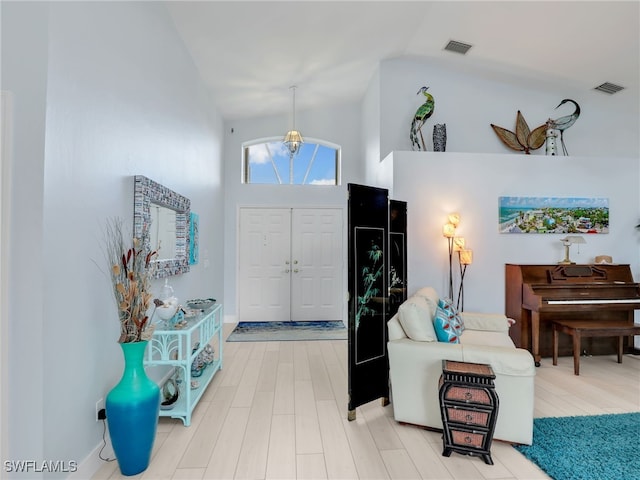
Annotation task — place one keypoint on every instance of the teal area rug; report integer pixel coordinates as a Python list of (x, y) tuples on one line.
[(598, 447), (287, 331)]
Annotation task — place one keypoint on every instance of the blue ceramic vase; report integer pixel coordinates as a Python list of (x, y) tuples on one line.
[(132, 412)]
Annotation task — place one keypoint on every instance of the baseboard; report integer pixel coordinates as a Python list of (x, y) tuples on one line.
[(92, 462)]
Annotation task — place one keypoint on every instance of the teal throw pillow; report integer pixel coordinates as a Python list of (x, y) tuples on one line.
[(447, 322)]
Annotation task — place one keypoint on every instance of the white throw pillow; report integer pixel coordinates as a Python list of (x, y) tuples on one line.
[(416, 319), (431, 296)]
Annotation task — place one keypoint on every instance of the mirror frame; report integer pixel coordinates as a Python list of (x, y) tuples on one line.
[(146, 192)]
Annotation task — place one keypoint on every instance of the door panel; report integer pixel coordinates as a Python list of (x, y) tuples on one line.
[(290, 264), (397, 255), (264, 279), (317, 264)]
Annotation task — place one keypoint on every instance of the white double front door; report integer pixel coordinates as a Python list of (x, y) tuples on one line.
[(290, 264)]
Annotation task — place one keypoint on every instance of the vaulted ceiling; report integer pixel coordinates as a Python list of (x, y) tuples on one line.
[(249, 53)]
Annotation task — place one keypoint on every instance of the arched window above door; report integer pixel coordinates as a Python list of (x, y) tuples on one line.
[(267, 161)]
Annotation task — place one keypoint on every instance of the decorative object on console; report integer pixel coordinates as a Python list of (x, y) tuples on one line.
[(170, 394), (293, 139), (562, 123), (201, 303), (168, 303), (132, 405), (194, 238), (440, 137), (524, 139), (567, 242), (422, 114)]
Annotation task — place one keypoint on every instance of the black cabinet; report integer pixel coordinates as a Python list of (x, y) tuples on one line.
[(469, 407)]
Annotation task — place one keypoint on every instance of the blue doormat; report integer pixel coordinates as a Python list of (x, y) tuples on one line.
[(288, 331), (602, 447)]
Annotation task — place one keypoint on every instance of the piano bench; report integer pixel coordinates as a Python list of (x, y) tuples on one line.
[(590, 328)]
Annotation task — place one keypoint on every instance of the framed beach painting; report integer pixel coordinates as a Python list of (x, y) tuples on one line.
[(553, 215)]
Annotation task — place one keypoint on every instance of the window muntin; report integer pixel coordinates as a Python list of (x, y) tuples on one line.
[(268, 162)]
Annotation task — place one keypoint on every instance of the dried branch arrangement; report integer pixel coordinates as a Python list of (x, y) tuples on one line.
[(130, 272)]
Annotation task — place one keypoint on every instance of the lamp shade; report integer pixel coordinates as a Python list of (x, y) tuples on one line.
[(576, 239), (454, 219), (448, 230), (293, 140), (293, 136), (458, 244), (466, 257)]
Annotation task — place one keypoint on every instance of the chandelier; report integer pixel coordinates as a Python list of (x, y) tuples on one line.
[(293, 139)]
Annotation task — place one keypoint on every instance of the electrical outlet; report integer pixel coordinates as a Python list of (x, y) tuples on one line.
[(99, 406)]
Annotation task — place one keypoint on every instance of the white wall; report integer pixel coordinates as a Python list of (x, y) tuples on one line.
[(371, 132), (24, 76), (436, 184), (336, 124), (122, 98), (468, 101)]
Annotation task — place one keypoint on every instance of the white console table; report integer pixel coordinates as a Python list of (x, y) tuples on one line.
[(173, 347)]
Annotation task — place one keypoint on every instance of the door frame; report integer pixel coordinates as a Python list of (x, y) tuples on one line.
[(6, 126), (344, 244)]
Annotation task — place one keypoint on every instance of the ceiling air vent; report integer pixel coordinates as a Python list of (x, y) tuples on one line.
[(457, 47), (610, 88)]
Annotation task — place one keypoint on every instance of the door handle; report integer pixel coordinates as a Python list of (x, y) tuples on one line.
[(295, 262), (295, 271), (287, 271)]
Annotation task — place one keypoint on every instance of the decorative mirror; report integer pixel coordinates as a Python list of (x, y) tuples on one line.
[(165, 214)]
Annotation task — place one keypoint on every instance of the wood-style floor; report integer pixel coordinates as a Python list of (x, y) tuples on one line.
[(278, 410)]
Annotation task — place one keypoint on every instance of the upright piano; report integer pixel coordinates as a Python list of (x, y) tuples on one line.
[(537, 294)]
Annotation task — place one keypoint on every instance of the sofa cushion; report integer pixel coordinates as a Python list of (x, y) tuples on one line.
[(416, 319), (485, 321), (447, 322), (431, 296), (452, 311), (486, 338)]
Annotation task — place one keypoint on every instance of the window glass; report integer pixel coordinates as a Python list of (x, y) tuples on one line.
[(268, 162)]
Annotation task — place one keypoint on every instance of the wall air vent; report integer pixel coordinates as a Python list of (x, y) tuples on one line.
[(610, 88), (457, 47)]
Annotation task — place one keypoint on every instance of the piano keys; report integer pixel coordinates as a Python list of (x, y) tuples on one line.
[(537, 294)]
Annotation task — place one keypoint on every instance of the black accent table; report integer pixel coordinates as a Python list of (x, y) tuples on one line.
[(469, 408)]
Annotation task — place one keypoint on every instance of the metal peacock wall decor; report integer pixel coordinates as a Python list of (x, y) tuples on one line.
[(422, 114)]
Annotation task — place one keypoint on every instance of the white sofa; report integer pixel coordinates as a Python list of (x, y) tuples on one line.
[(415, 366)]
